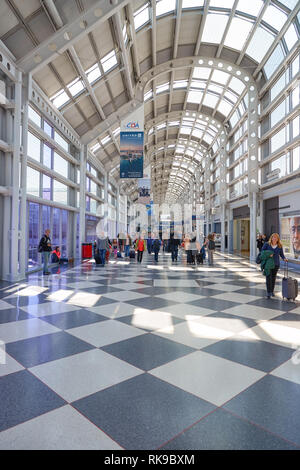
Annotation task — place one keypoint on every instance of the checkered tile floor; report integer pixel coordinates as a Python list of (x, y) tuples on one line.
[(151, 356)]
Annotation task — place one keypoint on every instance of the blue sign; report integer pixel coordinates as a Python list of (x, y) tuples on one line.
[(131, 154)]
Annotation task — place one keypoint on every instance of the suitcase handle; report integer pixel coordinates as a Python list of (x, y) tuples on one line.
[(286, 269)]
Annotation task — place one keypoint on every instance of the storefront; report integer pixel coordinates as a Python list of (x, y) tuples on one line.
[(241, 230)]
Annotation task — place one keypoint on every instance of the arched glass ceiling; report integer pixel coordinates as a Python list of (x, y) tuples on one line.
[(250, 27), (216, 89)]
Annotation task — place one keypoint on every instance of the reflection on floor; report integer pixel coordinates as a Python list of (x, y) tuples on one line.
[(163, 356)]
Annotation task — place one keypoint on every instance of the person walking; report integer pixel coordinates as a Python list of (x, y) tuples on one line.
[(210, 249), (102, 247), (156, 247), (149, 243), (140, 246), (275, 251), (260, 243), (45, 249), (127, 242), (174, 245)]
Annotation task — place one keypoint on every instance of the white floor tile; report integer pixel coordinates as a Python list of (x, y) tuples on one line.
[(193, 333), (209, 377), (253, 311), (7, 364), (236, 297), (106, 332), (61, 429), (179, 296), (17, 331), (290, 370), (275, 333)]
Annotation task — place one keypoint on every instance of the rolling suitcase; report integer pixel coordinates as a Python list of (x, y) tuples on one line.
[(132, 254), (97, 258), (199, 258), (289, 285)]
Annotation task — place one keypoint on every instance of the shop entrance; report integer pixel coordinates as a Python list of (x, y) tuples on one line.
[(241, 236)]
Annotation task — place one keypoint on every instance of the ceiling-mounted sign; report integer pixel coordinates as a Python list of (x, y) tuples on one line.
[(132, 145)]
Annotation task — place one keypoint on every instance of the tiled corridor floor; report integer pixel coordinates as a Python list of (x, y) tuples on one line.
[(149, 357)]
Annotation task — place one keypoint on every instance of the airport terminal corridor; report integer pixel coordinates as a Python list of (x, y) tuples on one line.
[(149, 356)]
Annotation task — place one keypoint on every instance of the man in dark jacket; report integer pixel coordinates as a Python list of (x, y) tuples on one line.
[(156, 247), (174, 244), (45, 249)]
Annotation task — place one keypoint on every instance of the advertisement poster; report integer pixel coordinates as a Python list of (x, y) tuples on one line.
[(144, 187), (132, 145), (290, 236), (131, 154)]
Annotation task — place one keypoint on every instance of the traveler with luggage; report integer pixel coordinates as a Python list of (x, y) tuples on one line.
[(156, 243), (210, 249), (140, 246), (45, 249), (102, 248), (270, 262)]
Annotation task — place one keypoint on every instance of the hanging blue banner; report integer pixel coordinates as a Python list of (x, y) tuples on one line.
[(131, 154)]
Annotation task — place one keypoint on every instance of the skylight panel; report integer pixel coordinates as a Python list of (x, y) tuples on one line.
[(185, 130), (60, 98), (291, 37), (75, 87), (105, 140), (141, 16), (274, 61), (109, 61), (148, 95), (221, 3), (93, 73), (194, 97), (252, 8), (210, 100), (231, 96), (161, 126), (165, 6), (173, 123), (237, 33), (274, 17), (192, 3), (201, 72), (236, 85), (95, 147), (220, 77), (224, 108), (116, 131), (260, 44), (196, 84), (197, 133), (162, 88), (180, 84), (290, 3), (214, 28), (215, 88)]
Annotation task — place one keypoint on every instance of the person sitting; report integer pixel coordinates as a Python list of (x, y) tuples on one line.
[(56, 257)]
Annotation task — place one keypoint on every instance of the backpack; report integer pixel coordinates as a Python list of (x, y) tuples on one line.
[(41, 246), (156, 244)]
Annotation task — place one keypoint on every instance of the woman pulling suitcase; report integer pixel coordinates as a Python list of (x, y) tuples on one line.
[(270, 262)]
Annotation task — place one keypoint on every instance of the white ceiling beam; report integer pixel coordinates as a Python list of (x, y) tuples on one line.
[(68, 35)]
